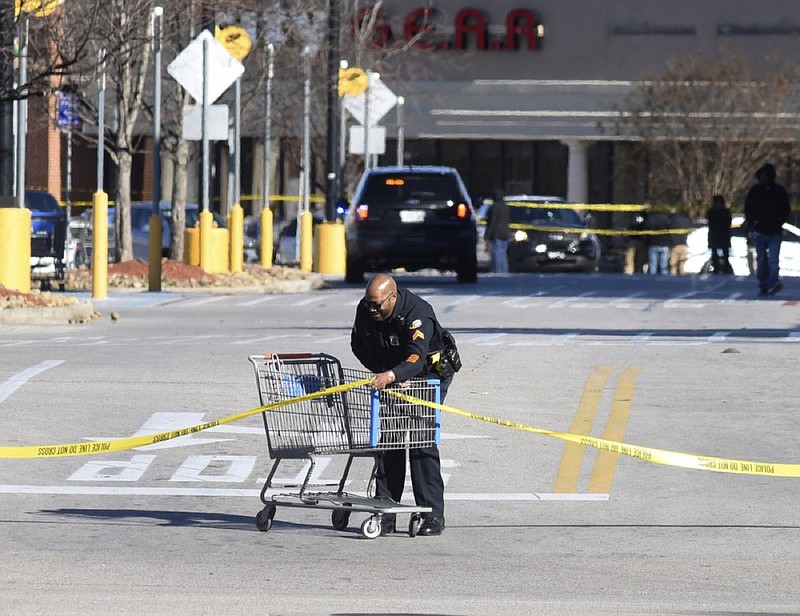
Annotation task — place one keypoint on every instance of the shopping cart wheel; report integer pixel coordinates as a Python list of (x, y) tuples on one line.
[(340, 519), (371, 527), (414, 523), (264, 518)]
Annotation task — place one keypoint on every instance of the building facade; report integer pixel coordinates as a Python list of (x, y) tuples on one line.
[(521, 96)]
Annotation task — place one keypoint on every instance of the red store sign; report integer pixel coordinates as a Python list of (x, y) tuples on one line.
[(471, 30)]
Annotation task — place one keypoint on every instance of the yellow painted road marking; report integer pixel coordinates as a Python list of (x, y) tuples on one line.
[(606, 463), (567, 477)]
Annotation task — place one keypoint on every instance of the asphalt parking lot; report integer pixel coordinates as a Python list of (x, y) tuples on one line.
[(695, 365)]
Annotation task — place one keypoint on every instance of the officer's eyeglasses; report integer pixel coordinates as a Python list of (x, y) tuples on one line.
[(375, 306)]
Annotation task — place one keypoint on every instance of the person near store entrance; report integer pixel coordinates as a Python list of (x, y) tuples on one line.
[(719, 235), (498, 230), (766, 208), (658, 243), (679, 250), (397, 336)]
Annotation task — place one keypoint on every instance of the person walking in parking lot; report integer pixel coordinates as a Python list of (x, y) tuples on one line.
[(719, 235), (498, 231), (396, 336), (766, 208)]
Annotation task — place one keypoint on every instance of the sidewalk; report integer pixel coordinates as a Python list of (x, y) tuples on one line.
[(76, 305)]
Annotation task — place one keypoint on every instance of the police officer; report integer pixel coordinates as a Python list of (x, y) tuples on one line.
[(395, 336)]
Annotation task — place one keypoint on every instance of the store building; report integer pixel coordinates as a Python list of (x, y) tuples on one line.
[(520, 96)]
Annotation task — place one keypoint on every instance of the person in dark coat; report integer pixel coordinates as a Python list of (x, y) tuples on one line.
[(659, 241), (766, 208), (397, 337), (719, 235), (498, 230)]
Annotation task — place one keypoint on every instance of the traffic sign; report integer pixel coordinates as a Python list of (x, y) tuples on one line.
[(235, 39), (68, 115), (352, 81), (223, 68), (380, 102)]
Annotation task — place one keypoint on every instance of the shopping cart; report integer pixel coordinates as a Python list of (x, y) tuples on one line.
[(358, 421)]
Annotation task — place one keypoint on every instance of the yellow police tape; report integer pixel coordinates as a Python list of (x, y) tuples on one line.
[(90, 448), (648, 454), (548, 229)]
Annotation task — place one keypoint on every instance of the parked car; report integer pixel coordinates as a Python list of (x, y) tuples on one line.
[(286, 244), (742, 263), (48, 238), (549, 239), (140, 229), (412, 218)]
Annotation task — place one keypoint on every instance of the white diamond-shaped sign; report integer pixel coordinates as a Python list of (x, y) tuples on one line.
[(381, 100), (223, 68)]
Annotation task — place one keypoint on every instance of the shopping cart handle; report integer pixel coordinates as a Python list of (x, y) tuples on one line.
[(288, 355)]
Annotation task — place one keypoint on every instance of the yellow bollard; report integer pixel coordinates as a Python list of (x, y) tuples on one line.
[(306, 241), (236, 226), (154, 261), (266, 242), (191, 246), (206, 222), (219, 251), (15, 248), (99, 245), (330, 248)]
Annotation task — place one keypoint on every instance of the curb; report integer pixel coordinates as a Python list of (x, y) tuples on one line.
[(47, 315), (84, 312)]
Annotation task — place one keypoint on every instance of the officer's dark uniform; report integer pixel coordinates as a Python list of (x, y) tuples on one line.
[(403, 343)]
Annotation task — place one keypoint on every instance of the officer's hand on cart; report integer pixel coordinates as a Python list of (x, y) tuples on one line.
[(382, 380)]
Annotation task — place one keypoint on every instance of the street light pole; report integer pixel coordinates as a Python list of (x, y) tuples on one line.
[(334, 9), (156, 231)]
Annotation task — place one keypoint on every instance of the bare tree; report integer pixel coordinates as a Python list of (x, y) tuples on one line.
[(706, 125)]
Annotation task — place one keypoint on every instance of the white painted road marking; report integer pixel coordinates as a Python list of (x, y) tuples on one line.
[(19, 379)]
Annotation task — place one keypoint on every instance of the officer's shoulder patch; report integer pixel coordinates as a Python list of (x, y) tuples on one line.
[(415, 324)]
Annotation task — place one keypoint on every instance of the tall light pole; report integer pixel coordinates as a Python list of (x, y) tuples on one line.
[(334, 9), (156, 231), (6, 107)]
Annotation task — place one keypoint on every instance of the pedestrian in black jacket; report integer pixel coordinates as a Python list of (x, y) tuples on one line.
[(719, 235), (396, 336), (766, 208)]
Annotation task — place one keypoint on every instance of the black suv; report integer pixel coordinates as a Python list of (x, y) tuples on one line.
[(411, 217)]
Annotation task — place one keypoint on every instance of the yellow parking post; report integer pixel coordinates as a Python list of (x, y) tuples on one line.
[(15, 248), (191, 244), (306, 241), (100, 245), (266, 237), (154, 261), (330, 248), (206, 221), (236, 226)]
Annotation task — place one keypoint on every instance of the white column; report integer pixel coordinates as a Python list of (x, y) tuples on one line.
[(577, 172)]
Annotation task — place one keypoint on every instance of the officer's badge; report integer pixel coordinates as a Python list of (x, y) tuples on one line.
[(415, 324), (394, 340)]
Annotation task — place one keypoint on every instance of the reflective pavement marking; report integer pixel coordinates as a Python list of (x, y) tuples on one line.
[(19, 379)]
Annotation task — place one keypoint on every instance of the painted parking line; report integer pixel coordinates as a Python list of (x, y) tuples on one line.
[(19, 379)]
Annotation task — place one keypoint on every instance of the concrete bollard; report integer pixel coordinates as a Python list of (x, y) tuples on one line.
[(306, 241), (100, 245), (266, 241), (329, 257), (236, 226)]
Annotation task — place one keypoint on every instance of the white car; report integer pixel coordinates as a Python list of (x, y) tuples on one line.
[(742, 263)]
